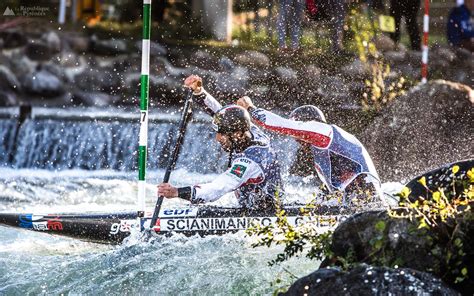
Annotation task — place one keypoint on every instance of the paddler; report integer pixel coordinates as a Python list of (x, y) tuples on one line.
[(337, 157), (254, 172)]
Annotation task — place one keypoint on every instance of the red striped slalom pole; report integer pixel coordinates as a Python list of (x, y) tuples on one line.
[(424, 54)]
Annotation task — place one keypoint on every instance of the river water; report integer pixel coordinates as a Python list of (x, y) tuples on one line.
[(36, 263), (58, 165)]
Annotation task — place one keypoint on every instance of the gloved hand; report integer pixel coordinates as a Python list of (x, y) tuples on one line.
[(194, 82), (245, 102)]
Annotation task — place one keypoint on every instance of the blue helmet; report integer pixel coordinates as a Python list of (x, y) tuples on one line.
[(308, 113)]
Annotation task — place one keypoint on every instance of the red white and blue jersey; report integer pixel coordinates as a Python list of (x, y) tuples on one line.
[(254, 174), (339, 157)]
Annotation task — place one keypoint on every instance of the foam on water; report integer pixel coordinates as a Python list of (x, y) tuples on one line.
[(215, 265)]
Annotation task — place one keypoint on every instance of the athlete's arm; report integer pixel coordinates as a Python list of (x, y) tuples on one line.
[(241, 171), (210, 104), (316, 133), (201, 96)]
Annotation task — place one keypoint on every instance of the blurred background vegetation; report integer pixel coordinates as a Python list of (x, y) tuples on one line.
[(253, 21)]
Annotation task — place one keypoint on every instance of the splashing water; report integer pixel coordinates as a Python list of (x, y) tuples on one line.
[(36, 263)]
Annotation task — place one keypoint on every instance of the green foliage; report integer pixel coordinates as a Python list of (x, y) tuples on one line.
[(441, 214), (295, 239), (381, 85), (364, 30)]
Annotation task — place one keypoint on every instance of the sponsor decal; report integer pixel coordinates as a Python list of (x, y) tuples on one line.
[(187, 212), (40, 226), (237, 223), (26, 220), (238, 170), (31, 221), (55, 225), (123, 226), (244, 160)]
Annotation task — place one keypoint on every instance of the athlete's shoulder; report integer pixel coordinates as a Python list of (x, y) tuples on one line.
[(258, 136)]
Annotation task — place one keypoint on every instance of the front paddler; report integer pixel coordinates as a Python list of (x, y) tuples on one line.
[(254, 171)]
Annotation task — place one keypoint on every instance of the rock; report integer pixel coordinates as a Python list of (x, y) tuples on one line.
[(167, 87), (436, 118), (368, 280), (8, 80), (69, 59), (353, 236), (333, 90), (440, 178), (180, 73), (56, 70), (130, 63), (311, 72), (78, 43), (446, 54), (395, 57), (408, 70), (356, 69), (38, 50), (226, 64), (465, 76), (286, 75), (464, 54), (156, 49), (72, 72), (13, 39), (21, 65), (8, 98), (2, 43), (95, 99), (260, 75), (253, 59), (414, 58), (99, 80), (374, 237), (204, 60), (438, 63), (384, 43), (233, 84), (401, 47), (43, 83), (53, 41), (107, 47), (241, 74)]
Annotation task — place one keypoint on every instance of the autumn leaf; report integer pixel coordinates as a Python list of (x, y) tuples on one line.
[(422, 181), (455, 169)]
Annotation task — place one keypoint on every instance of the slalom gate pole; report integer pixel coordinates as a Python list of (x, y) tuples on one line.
[(424, 54), (143, 137), (185, 117)]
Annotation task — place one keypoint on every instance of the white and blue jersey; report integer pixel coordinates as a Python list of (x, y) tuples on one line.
[(254, 174), (260, 190), (339, 158)]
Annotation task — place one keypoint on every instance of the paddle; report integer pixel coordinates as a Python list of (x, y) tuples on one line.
[(185, 117)]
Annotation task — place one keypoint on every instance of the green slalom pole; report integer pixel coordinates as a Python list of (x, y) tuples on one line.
[(143, 138)]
